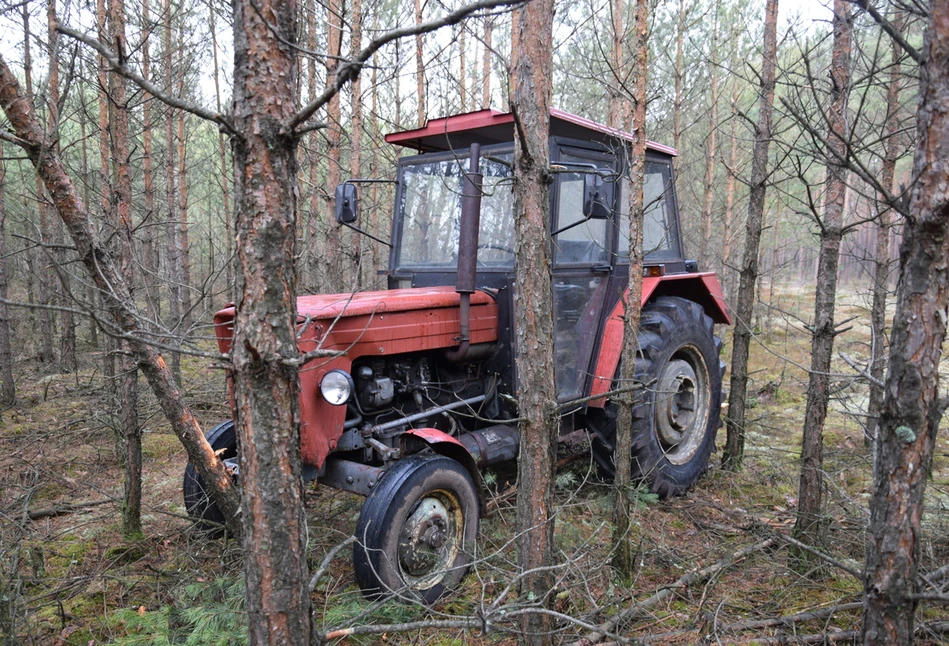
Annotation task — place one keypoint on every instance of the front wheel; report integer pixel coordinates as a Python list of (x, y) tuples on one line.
[(416, 531), (201, 507), (676, 416)]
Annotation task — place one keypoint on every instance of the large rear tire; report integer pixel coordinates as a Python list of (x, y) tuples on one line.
[(417, 530), (201, 507), (676, 417)]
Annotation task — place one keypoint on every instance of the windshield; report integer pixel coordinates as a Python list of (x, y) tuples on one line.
[(430, 211)]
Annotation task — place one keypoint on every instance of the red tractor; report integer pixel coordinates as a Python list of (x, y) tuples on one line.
[(422, 396)]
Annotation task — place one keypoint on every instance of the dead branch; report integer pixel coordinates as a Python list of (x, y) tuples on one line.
[(788, 620), (684, 581), (327, 560), (67, 509), (819, 638), (846, 567)]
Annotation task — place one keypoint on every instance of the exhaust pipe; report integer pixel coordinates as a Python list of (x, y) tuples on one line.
[(468, 249)]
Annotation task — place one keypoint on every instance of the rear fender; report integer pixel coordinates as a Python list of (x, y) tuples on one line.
[(703, 289), (444, 444)]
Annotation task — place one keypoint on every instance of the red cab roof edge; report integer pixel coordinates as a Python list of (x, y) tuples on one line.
[(488, 117)]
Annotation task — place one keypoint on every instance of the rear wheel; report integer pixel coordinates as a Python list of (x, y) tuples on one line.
[(677, 415), (417, 529), (201, 507)]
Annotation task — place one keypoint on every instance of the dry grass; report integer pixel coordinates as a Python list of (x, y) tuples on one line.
[(71, 579)]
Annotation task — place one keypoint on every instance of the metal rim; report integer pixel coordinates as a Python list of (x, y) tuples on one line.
[(431, 539), (682, 404)]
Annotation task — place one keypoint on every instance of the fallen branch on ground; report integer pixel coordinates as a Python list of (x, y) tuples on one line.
[(67, 509), (684, 581)]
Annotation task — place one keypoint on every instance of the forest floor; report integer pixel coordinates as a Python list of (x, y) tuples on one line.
[(68, 577)]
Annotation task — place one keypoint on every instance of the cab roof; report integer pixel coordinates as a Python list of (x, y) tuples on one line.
[(490, 127)]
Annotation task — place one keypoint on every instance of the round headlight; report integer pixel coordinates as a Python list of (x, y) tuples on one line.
[(336, 387)]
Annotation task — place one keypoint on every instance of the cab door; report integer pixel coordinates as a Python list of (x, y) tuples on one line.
[(581, 269)]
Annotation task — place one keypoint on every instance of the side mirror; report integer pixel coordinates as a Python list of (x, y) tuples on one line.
[(347, 203), (594, 198)]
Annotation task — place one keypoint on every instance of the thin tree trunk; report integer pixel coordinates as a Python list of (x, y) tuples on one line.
[(912, 408), (226, 170), (678, 75), (533, 312), (881, 263), (705, 250), (128, 408), (462, 69), (734, 450), (420, 67), (105, 191), (809, 527), (172, 243), (486, 63), (335, 256), (91, 295), (67, 321), (8, 385), (728, 233), (45, 354), (150, 243), (634, 122), (362, 273), (264, 352), (184, 250), (118, 301)]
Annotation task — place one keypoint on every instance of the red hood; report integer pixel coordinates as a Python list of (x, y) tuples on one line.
[(331, 306)]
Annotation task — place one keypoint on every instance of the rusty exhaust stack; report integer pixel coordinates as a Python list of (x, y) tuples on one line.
[(468, 248)]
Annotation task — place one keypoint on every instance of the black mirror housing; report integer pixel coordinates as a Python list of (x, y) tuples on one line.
[(594, 198), (347, 203)]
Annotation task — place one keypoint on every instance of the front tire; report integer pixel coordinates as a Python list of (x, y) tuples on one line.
[(198, 501), (417, 530), (676, 417)]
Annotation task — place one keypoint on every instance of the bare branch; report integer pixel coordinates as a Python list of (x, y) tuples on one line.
[(122, 68), (890, 30), (350, 69)]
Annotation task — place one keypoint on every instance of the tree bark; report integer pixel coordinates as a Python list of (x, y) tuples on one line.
[(45, 354), (150, 242), (705, 250), (226, 169), (809, 526), (912, 408), (8, 385), (635, 122), (334, 257), (533, 312), (881, 262), (486, 63), (184, 251), (734, 451), (118, 302), (420, 67), (172, 242), (264, 351)]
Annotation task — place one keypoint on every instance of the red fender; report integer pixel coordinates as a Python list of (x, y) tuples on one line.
[(703, 289), (444, 444)]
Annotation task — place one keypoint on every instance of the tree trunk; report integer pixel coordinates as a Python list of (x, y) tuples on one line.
[(265, 352), (734, 450), (881, 262), (128, 402), (45, 354), (184, 250), (634, 122), (226, 170), (728, 234), (533, 312), (362, 273), (172, 242), (115, 294), (67, 321), (486, 63), (809, 527), (705, 250), (677, 83), (912, 408), (334, 257), (8, 386), (420, 67), (150, 242)]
